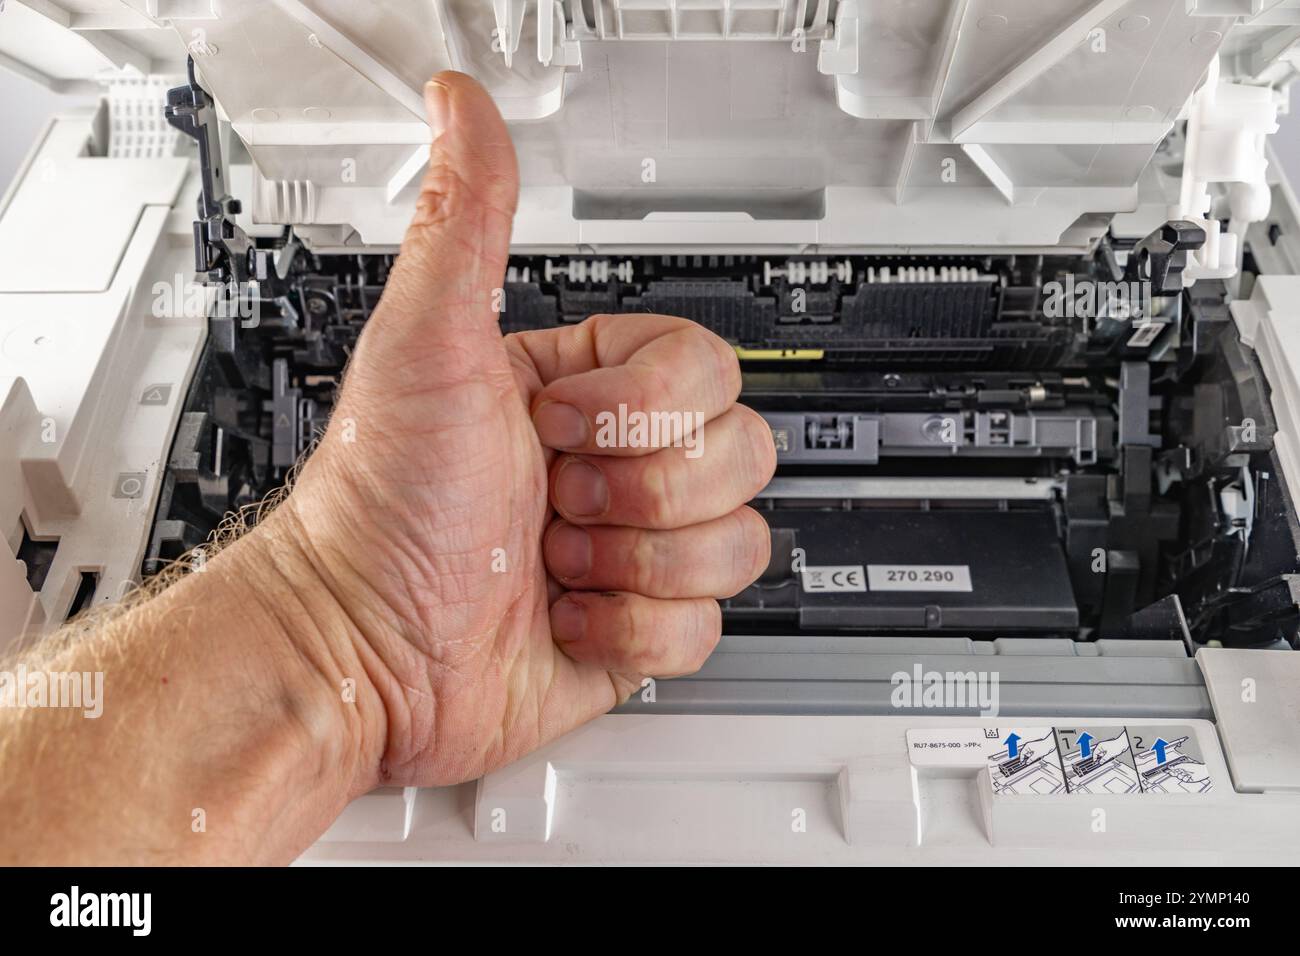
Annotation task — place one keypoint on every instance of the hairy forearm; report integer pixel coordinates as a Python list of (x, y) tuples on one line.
[(236, 722)]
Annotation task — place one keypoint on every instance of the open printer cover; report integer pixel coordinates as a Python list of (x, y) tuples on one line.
[(1014, 282)]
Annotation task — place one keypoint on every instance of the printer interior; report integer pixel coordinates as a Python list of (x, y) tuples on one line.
[(976, 446)]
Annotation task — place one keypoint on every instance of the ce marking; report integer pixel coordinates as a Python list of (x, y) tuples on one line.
[(831, 578)]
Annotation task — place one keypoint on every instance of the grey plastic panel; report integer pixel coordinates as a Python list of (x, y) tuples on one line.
[(856, 675), (910, 488), (1256, 695), (849, 438)]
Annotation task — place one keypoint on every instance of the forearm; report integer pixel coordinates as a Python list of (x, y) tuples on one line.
[(236, 723)]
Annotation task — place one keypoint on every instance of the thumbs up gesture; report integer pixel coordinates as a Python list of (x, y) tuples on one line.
[(515, 531)]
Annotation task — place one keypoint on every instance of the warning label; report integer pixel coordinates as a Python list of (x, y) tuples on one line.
[(1091, 759)]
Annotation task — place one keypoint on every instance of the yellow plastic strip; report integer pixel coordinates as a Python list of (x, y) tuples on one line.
[(779, 355)]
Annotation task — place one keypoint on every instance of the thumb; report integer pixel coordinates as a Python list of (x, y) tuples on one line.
[(453, 258)]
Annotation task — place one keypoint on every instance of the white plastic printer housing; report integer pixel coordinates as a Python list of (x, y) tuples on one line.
[(712, 124), (664, 127)]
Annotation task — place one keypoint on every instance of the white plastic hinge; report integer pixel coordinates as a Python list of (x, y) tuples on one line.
[(1227, 129)]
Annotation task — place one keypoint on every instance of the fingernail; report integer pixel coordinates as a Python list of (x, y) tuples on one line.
[(560, 426), (580, 489), (568, 552), (438, 105), (568, 620)]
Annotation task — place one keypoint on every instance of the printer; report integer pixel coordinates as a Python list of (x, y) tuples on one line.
[(1016, 284)]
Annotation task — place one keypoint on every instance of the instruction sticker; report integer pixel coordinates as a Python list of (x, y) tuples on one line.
[(919, 577), (1097, 760), (1169, 760), (1088, 759), (833, 578), (1027, 761)]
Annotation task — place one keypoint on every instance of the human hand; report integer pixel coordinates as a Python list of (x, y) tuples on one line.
[(503, 577), (463, 571)]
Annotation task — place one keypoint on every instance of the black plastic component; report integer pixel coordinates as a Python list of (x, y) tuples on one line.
[(222, 250), (883, 315), (1161, 257), (1018, 579), (1162, 621), (1139, 520), (1122, 571)]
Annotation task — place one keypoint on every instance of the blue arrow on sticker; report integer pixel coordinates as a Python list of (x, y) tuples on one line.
[(1159, 747), (1013, 745), (1085, 744)]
